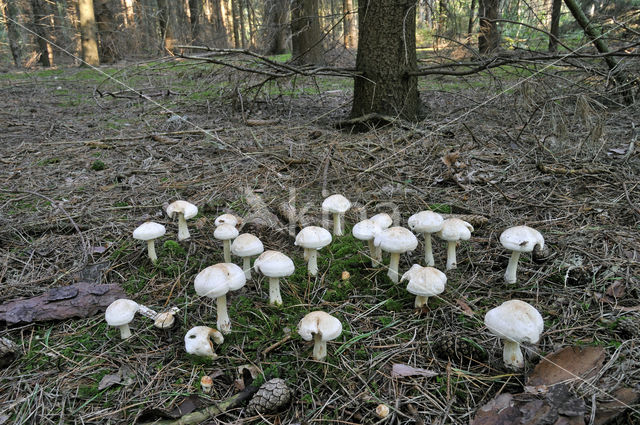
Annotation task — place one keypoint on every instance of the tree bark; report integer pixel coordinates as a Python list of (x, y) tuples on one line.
[(220, 31), (88, 32), (41, 26), (167, 25), (195, 9), (275, 31), (349, 26), (386, 57), (306, 35), (106, 22), (489, 38), (472, 11), (241, 21), (556, 8), (11, 11)]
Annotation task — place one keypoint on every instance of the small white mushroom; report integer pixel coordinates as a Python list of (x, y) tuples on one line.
[(246, 246), (321, 327), (454, 230), (336, 205), (184, 210), (149, 232), (227, 219), (519, 239), (385, 221), (424, 282), (312, 239), (426, 222), (120, 313), (515, 322), (395, 240), (274, 265), (215, 282), (226, 233), (198, 341), (366, 230)]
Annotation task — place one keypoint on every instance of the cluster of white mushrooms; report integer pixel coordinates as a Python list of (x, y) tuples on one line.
[(514, 321)]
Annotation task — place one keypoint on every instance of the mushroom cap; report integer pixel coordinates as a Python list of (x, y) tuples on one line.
[(320, 323), (313, 237), (424, 281), (225, 232), (197, 341), (215, 281), (336, 204), (274, 264), (366, 230), (454, 229), (227, 219), (246, 245), (396, 240), (426, 222), (120, 312), (148, 231), (186, 208), (521, 238), (383, 220), (516, 321)]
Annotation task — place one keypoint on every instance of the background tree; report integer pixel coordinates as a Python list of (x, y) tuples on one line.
[(106, 22), (554, 31), (489, 37), (41, 27), (275, 27), (88, 32), (11, 12), (349, 25), (306, 36)]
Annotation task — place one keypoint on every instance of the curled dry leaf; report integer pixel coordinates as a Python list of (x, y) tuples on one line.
[(466, 310), (566, 365), (402, 370)]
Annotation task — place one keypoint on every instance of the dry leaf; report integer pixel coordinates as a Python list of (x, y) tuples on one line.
[(402, 370), (607, 412), (616, 289), (450, 158), (567, 364), (466, 310)]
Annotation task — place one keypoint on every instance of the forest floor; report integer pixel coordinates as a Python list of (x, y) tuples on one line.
[(537, 153)]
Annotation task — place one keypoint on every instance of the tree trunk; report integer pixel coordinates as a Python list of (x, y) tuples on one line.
[(146, 15), (167, 25), (251, 20), (442, 17), (11, 11), (306, 35), (195, 8), (106, 22), (217, 21), (349, 26), (241, 21), (236, 24), (556, 7), (386, 57), (472, 11), (489, 38), (41, 25), (275, 32), (88, 32)]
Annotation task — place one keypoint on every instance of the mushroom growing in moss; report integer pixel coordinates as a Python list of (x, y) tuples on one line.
[(336, 205), (149, 232), (184, 210), (395, 240), (120, 313), (454, 230), (246, 246), (198, 341), (424, 282), (426, 222), (519, 239), (312, 239), (215, 282), (321, 327), (274, 265)]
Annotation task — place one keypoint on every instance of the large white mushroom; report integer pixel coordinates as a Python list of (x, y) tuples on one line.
[(120, 313), (426, 222), (366, 230), (515, 322), (385, 221), (424, 282), (321, 327), (454, 230), (215, 282), (149, 232), (274, 265), (395, 240), (312, 239), (226, 233), (246, 246), (184, 210), (198, 341), (336, 205), (226, 219), (519, 239)]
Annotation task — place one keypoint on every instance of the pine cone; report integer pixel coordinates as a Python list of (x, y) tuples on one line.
[(450, 347), (271, 396), (630, 327)]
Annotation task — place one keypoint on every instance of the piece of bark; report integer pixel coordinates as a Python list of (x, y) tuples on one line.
[(82, 299), (608, 412), (8, 352)]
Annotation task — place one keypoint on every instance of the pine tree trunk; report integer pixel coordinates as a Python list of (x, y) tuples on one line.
[(386, 57), (472, 11), (489, 38), (556, 8), (88, 32), (106, 22), (349, 26), (220, 32), (11, 12), (275, 33), (306, 36), (241, 21), (41, 24), (167, 25)]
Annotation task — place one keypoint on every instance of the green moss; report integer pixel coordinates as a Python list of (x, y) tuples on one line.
[(98, 165)]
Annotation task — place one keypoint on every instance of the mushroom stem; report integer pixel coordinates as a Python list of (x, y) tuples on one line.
[(428, 252), (306, 254), (451, 255), (378, 255), (227, 250), (246, 266), (510, 274), (421, 301), (274, 291), (223, 322), (147, 312), (394, 263), (313, 262), (372, 252), (125, 331), (512, 355), (151, 248), (319, 347), (183, 231), (337, 224)]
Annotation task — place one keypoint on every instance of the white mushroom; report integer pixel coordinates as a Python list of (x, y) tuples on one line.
[(214, 282), (424, 282), (321, 327), (366, 230), (312, 238), (454, 230), (519, 239), (149, 232), (385, 221), (395, 240), (120, 313), (515, 322), (336, 205), (184, 210), (274, 265), (225, 233), (246, 246), (198, 341), (227, 219), (426, 222)]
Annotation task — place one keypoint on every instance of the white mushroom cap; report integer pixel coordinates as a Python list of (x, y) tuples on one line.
[(515, 321), (198, 341), (319, 323), (274, 264), (215, 281), (396, 240), (366, 230), (247, 245), (336, 204), (454, 229), (186, 208), (148, 231), (227, 219), (383, 220), (424, 281), (225, 232), (425, 222), (313, 237), (521, 239), (120, 312)]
